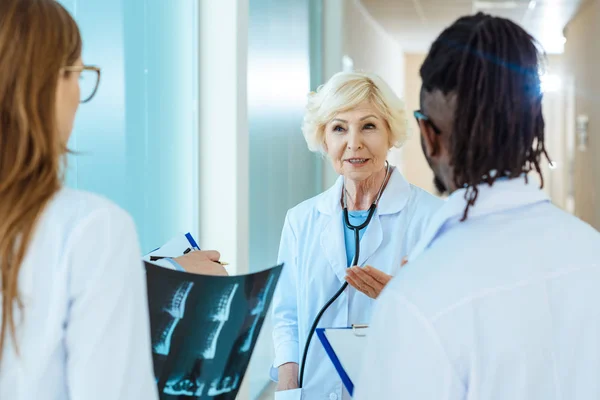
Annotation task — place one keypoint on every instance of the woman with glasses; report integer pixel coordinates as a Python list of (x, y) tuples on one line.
[(74, 318)]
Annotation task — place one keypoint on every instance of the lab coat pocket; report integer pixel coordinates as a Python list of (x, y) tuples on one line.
[(294, 394)]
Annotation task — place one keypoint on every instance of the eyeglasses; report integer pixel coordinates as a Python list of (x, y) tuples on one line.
[(89, 80), (420, 116)]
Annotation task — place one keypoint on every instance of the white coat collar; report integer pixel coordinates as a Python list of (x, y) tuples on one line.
[(502, 196), (393, 200)]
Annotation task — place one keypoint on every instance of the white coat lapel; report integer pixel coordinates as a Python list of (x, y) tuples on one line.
[(334, 247), (332, 236), (371, 240), (435, 224), (502, 196)]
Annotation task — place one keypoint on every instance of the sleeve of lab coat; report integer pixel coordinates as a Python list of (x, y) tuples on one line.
[(404, 358), (285, 312), (107, 333)]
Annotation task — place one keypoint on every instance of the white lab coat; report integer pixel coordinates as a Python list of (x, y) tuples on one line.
[(84, 331), (504, 306), (313, 250)]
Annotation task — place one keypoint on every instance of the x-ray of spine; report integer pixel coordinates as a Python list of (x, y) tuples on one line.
[(258, 311), (219, 317), (188, 378), (172, 313), (242, 348), (204, 329)]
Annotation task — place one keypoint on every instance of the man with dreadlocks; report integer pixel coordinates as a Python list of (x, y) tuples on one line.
[(500, 300)]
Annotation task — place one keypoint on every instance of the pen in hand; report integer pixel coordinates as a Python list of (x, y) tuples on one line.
[(156, 258)]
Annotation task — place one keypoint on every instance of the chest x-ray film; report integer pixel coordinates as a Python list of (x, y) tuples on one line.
[(204, 329)]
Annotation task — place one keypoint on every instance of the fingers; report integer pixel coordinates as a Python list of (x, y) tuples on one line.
[(361, 287), (365, 278), (380, 276), (212, 255), (368, 280), (404, 261), (365, 283), (202, 262), (353, 283)]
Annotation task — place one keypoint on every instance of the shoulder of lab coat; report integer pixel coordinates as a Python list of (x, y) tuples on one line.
[(108, 330), (423, 206), (399, 196), (88, 247), (423, 315)]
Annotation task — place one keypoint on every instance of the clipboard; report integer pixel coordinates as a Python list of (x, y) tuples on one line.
[(357, 331), (177, 246)]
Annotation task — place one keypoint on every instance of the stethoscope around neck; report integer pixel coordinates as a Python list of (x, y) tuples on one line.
[(356, 229)]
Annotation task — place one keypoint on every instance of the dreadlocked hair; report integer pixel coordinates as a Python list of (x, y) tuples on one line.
[(493, 67)]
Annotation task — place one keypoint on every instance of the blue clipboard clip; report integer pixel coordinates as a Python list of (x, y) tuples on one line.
[(356, 329)]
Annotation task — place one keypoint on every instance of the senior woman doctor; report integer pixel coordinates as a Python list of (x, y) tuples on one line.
[(355, 119)]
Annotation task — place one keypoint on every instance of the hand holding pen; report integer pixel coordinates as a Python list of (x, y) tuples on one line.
[(204, 262)]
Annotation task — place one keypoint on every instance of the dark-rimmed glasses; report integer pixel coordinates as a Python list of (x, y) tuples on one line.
[(89, 80)]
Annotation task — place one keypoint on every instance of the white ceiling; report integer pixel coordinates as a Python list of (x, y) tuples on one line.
[(416, 23)]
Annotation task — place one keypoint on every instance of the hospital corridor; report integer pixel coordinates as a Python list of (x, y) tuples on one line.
[(299, 199)]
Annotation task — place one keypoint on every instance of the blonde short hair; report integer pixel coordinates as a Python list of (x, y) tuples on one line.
[(343, 92)]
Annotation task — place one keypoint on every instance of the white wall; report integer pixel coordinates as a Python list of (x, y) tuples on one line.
[(582, 63), (412, 161), (223, 133), (371, 48), (554, 106), (223, 130), (349, 30)]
